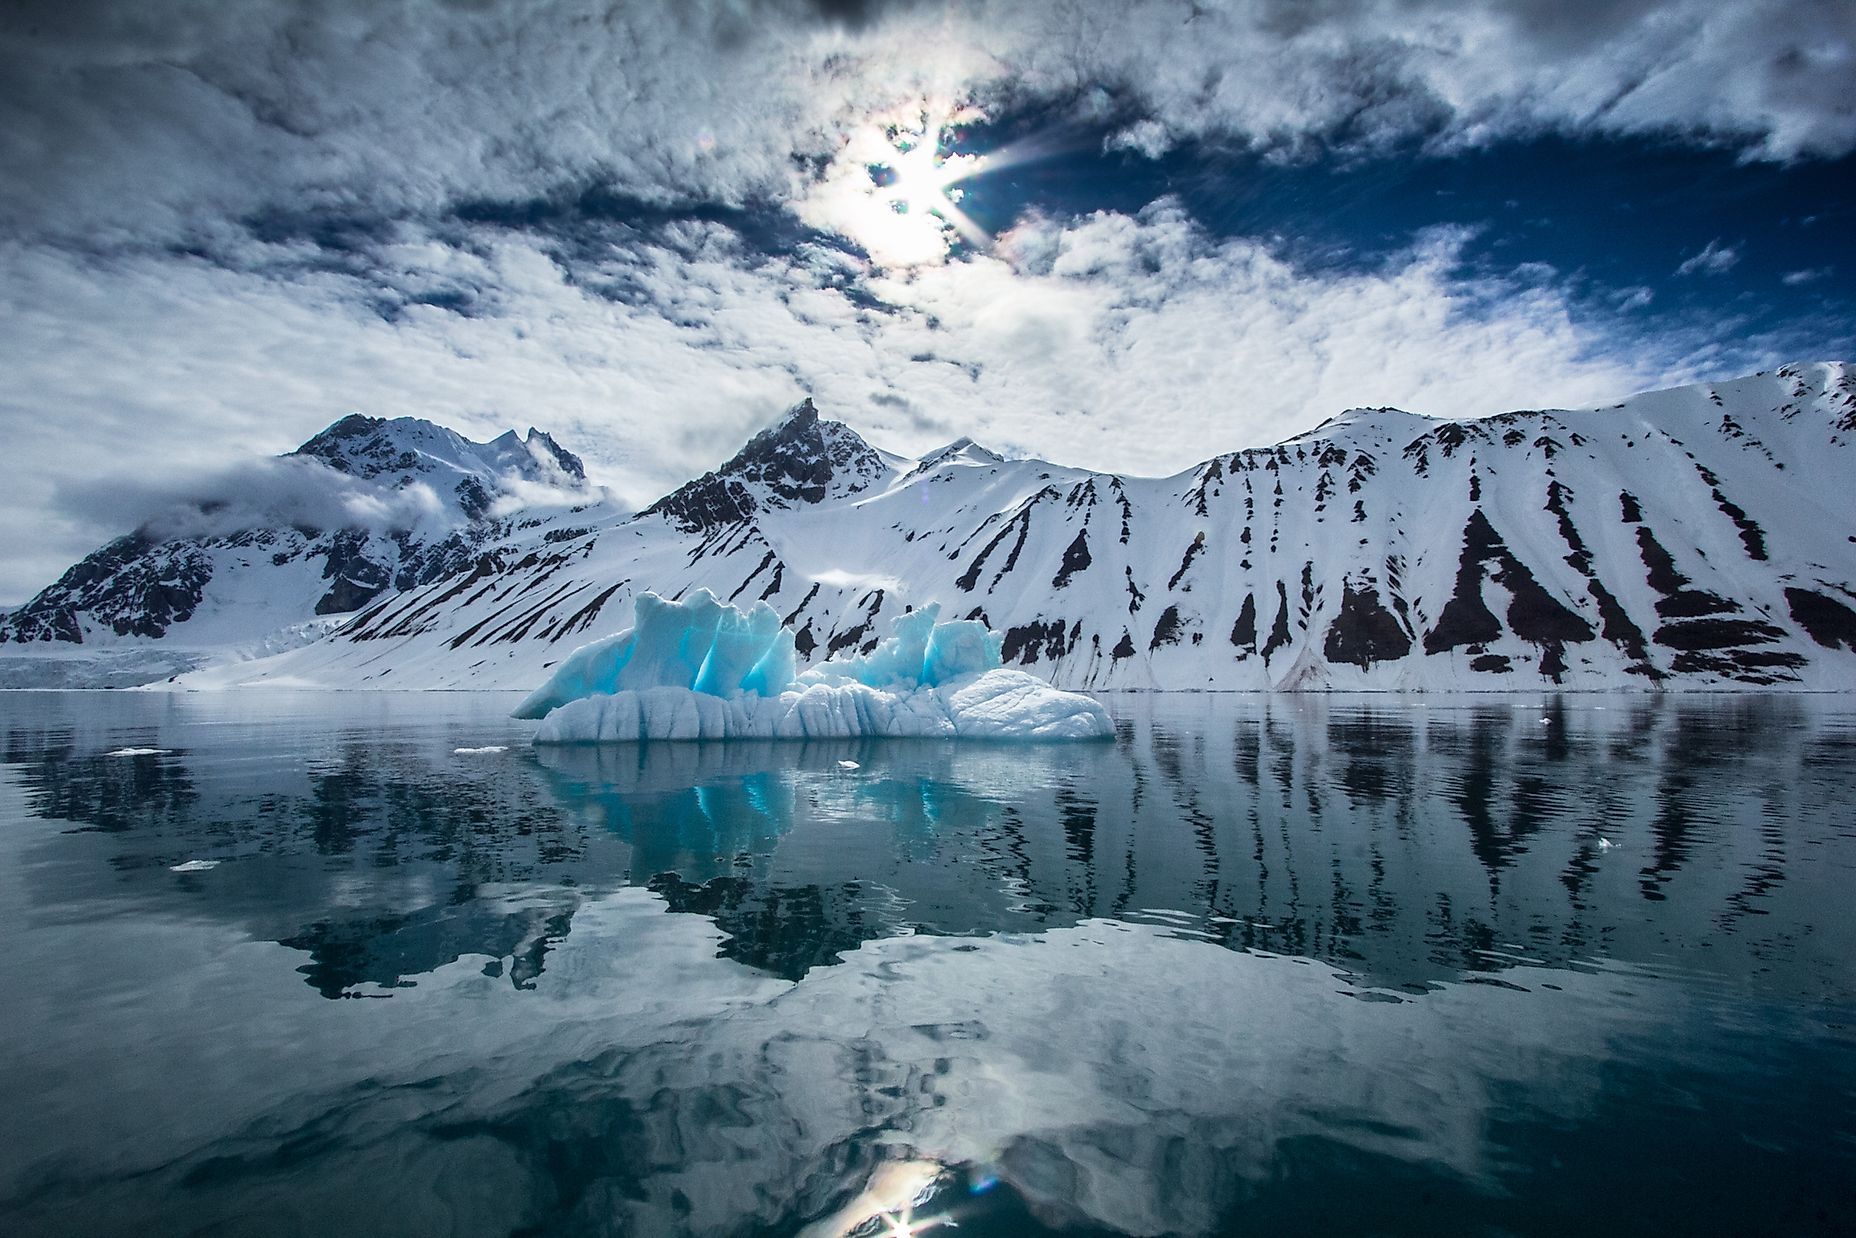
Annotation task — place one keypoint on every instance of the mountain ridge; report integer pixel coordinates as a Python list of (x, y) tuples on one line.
[(1687, 538), (394, 503)]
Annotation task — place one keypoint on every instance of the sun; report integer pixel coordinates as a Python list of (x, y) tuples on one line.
[(920, 178), (893, 188)]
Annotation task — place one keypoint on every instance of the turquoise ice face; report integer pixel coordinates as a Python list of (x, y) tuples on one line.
[(702, 669), (720, 650)]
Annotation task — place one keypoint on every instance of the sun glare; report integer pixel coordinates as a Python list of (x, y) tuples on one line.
[(885, 1208), (893, 189), (921, 179)]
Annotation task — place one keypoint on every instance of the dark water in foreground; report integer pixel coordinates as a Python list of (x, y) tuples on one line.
[(1379, 965)]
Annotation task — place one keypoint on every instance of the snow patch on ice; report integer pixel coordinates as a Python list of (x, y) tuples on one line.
[(701, 669)]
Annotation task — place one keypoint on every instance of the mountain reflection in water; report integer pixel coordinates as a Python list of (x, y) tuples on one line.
[(1257, 952), (1409, 843)]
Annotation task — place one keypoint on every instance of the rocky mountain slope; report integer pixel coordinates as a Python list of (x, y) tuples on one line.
[(1686, 539), (391, 505), (1700, 537)]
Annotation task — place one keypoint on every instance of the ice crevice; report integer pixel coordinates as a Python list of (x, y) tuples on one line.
[(701, 669)]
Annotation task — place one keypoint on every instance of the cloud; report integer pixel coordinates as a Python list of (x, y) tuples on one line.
[(1146, 137), (518, 494), (124, 119), (151, 364), (265, 493), (223, 227), (1142, 343), (1281, 71), (1135, 342), (120, 119), (1714, 259), (1810, 275)]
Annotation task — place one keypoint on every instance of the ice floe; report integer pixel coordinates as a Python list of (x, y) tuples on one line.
[(701, 669)]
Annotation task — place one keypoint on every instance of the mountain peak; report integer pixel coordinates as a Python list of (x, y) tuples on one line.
[(962, 450), (328, 445), (381, 503), (800, 459), (404, 449), (541, 445)]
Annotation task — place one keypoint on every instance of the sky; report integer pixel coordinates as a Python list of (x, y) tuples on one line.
[(1124, 235)]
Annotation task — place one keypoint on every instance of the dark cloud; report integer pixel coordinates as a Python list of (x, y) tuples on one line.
[(120, 117), (857, 13), (127, 117)]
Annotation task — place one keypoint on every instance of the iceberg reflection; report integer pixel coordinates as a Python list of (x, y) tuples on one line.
[(1409, 844)]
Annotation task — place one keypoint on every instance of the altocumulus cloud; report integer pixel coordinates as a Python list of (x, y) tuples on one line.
[(224, 226)]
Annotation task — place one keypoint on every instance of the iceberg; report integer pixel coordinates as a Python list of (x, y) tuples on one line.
[(702, 669)]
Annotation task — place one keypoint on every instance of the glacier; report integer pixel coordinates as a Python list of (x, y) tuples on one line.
[(699, 668)]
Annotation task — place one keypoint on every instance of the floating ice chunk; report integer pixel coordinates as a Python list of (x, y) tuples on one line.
[(477, 752), (996, 704), (849, 765), (700, 669), (193, 866), (137, 752)]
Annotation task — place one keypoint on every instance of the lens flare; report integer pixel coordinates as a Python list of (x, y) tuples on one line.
[(921, 178), (893, 188), (916, 183)]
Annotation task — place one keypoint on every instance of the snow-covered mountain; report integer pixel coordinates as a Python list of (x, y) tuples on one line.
[(277, 555), (1700, 537)]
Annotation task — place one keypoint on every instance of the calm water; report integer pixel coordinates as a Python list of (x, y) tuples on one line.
[(298, 965)]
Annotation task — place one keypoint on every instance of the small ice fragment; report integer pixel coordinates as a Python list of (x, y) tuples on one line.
[(194, 866), (477, 752), (1605, 844), (848, 765), (137, 752), (1544, 721)]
